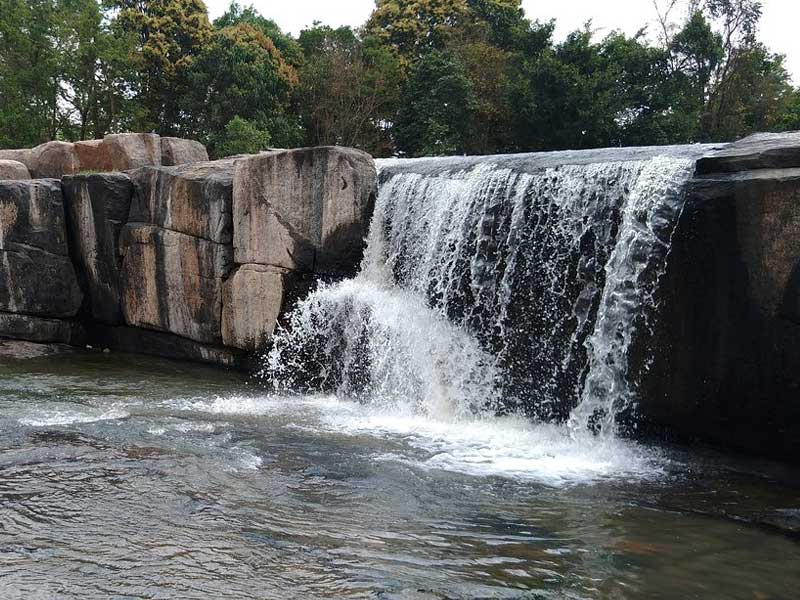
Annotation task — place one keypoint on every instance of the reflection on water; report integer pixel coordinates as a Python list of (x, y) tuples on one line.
[(126, 477)]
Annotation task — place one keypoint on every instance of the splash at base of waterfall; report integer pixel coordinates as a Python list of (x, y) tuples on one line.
[(489, 291)]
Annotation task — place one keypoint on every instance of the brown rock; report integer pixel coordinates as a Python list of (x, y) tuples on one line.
[(173, 282), (119, 152), (54, 160), (305, 209), (25, 156), (252, 301), (178, 151), (193, 199), (12, 169)]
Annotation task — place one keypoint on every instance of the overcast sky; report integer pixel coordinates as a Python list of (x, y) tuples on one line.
[(779, 26)]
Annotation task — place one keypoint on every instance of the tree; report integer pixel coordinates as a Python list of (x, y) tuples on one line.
[(29, 73), (437, 108), (95, 73), (241, 74), (241, 137), (170, 35), (348, 89), (236, 14)]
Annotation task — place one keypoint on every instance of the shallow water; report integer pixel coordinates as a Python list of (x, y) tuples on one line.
[(126, 477)]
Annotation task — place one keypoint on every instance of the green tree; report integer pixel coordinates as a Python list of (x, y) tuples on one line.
[(95, 72), (237, 14), (437, 108), (348, 89), (241, 73), (241, 136), (170, 34), (29, 73)]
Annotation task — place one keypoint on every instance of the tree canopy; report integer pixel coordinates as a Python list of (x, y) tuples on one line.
[(420, 77)]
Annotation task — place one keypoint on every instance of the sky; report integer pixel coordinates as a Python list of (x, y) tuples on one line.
[(778, 27)]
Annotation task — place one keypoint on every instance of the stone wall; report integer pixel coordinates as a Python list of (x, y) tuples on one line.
[(194, 260)]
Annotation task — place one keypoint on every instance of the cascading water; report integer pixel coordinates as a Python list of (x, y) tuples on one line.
[(499, 285)]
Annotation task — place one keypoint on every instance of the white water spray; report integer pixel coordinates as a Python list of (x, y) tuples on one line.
[(489, 288)]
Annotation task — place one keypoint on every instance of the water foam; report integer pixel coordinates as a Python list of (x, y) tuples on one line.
[(488, 290)]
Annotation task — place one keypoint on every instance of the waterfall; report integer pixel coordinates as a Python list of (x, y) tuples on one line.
[(501, 285)]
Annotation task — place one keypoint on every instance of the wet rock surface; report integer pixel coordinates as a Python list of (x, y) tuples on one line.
[(97, 209), (173, 282), (36, 273)]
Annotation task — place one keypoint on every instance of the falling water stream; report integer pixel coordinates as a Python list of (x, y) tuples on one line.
[(442, 426)]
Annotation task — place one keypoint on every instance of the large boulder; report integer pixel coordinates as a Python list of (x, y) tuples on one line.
[(252, 301), (728, 333), (173, 282), (178, 151), (12, 169), (36, 274), (97, 208), (119, 152), (305, 210), (54, 160), (194, 199), (24, 156)]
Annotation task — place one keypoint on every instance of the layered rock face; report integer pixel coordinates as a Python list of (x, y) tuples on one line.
[(728, 359), (97, 208), (195, 260), (37, 279)]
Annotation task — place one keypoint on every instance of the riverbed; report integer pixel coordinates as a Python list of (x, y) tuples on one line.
[(132, 477)]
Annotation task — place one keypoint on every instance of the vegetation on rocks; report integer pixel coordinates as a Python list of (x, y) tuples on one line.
[(420, 77)]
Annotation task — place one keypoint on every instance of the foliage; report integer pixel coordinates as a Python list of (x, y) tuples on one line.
[(240, 73), (241, 136), (348, 89), (421, 77)]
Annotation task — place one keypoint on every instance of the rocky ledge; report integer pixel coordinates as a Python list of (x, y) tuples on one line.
[(727, 365), (196, 260)]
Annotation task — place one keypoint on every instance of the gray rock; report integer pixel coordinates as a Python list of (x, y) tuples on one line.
[(36, 273), (193, 199), (173, 282), (13, 169), (97, 209), (253, 298), (178, 151), (156, 343), (305, 210), (758, 151), (40, 330)]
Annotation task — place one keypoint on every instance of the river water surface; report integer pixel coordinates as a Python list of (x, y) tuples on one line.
[(128, 477)]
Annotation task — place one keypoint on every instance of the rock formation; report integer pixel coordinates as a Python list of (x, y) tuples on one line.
[(728, 357), (144, 260), (97, 208), (37, 279)]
